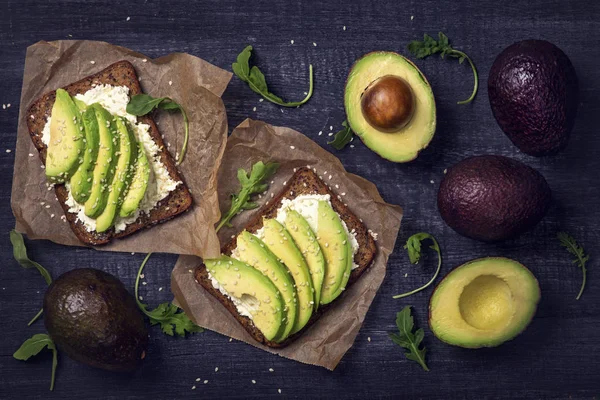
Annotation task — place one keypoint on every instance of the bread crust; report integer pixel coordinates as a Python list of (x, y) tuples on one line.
[(121, 73), (304, 181)]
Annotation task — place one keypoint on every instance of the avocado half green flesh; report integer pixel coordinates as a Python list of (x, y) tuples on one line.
[(65, 148), (248, 287), (534, 94), (281, 243), (255, 252), (94, 320), (492, 198), (483, 303), (82, 180), (404, 144)]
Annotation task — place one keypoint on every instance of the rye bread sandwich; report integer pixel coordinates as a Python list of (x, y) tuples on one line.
[(294, 258), (111, 171)]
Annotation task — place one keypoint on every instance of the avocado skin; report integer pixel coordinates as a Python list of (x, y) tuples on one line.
[(94, 320), (534, 94), (492, 198)]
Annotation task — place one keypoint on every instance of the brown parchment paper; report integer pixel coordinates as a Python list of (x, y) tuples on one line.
[(192, 82), (326, 341)]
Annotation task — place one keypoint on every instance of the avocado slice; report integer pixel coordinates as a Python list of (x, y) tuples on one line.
[(251, 291), (65, 148), (122, 178), (138, 186), (534, 94), (390, 106), (253, 251), (281, 243), (306, 240), (492, 198), (93, 319), (483, 303), (337, 250), (105, 162), (82, 180)]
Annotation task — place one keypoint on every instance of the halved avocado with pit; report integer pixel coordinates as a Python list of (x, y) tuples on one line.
[(390, 106), (483, 303)]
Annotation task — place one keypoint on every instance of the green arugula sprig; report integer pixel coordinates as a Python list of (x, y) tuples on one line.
[(256, 79), (569, 243), (142, 104), (20, 254), (166, 314), (413, 245), (251, 183), (342, 137), (430, 46), (33, 346), (407, 339)]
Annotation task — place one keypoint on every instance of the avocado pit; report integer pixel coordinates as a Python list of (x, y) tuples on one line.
[(486, 303), (388, 103)]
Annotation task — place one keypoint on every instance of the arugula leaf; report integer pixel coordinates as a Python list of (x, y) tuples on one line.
[(343, 137), (569, 243), (250, 184), (413, 245), (20, 254), (166, 313), (33, 346), (256, 79), (429, 46), (406, 339), (142, 104)]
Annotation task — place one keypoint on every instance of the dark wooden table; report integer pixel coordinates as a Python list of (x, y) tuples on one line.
[(556, 357)]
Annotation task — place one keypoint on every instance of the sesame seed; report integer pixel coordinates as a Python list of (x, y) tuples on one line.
[(4, 106), (292, 41), (343, 193), (205, 381), (330, 177), (128, 18), (369, 338), (170, 83), (92, 62), (279, 390), (412, 17), (330, 134), (431, 181), (337, 186), (216, 369), (406, 274), (253, 382), (261, 100), (197, 379), (144, 283), (314, 44), (292, 147), (330, 127), (231, 339), (48, 206), (351, 146), (145, 60), (344, 28), (254, 109), (445, 171), (271, 370), (141, 298), (320, 133), (160, 289), (51, 215), (8, 150)]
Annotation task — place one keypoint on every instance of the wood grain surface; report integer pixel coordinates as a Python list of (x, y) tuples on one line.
[(557, 357)]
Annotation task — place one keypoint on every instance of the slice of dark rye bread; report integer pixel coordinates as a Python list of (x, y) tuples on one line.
[(304, 181), (121, 73)]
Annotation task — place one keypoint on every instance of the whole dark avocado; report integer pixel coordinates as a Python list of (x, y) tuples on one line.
[(94, 320), (534, 94), (492, 198)]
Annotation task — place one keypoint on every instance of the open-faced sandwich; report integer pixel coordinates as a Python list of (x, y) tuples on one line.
[(293, 259), (111, 171)]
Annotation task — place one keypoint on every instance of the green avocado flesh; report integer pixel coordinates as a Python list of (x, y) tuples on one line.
[(281, 243), (94, 320), (248, 287), (65, 148), (124, 171), (483, 303), (105, 162), (81, 182), (253, 251), (305, 239), (403, 142), (337, 251), (139, 184)]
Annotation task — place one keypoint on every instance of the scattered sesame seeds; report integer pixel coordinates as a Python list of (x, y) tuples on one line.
[(330, 134), (144, 283), (320, 133), (92, 62), (128, 18), (47, 205), (271, 370), (253, 382), (231, 339), (351, 146), (205, 381), (4, 106), (8, 150), (8, 105), (445, 171), (141, 298), (279, 390), (292, 147), (160, 289), (431, 181), (412, 17), (216, 369), (170, 83), (194, 387), (30, 154), (51, 215), (343, 193), (254, 109), (406, 274), (330, 127), (292, 41), (145, 60), (344, 28), (314, 44), (369, 338), (330, 177)]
